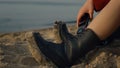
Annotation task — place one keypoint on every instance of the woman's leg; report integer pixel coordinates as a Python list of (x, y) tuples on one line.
[(107, 21)]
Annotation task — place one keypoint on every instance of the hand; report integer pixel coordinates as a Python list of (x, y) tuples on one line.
[(88, 7)]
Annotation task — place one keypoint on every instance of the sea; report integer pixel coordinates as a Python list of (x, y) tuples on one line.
[(23, 15)]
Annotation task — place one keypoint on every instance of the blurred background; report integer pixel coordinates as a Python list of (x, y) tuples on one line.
[(22, 15)]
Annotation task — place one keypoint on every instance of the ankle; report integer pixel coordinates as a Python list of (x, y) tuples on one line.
[(98, 34)]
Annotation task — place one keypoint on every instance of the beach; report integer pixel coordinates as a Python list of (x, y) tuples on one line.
[(20, 18), (17, 50)]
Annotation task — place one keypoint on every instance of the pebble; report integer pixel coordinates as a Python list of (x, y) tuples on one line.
[(110, 54), (115, 56), (1, 57)]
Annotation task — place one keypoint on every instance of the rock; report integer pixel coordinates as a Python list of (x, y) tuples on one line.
[(30, 61)]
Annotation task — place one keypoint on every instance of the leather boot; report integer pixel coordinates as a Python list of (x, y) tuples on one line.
[(83, 38), (78, 46), (72, 48), (52, 51)]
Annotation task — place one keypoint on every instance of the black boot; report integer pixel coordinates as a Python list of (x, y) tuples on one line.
[(72, 48), (78, 46), (52, 51)]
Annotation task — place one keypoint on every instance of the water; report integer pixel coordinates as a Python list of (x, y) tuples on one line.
[(22, 15)]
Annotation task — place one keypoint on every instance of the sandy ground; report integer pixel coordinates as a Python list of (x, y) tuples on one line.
[(17, 50)]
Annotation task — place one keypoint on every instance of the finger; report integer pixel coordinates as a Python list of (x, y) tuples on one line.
[(91, 14), (77, 24)]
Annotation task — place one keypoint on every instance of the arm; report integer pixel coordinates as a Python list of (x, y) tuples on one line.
[(89, 8)]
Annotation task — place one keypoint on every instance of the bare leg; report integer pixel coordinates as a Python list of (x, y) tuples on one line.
[(107, 21)]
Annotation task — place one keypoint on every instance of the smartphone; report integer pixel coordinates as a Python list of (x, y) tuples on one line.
[(84, 21)]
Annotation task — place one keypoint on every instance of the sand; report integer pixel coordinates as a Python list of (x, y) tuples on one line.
[(18, 50)]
